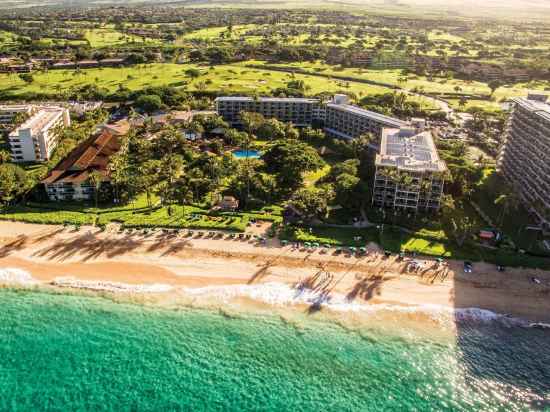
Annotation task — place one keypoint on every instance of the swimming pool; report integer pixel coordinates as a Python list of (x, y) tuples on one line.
[(243, 154)]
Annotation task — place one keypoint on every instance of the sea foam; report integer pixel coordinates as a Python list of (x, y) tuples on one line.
[(107, 286), (16, 276), (280, 294)]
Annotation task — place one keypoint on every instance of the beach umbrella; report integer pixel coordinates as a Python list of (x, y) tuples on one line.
[(363, 249), (315, 244), (307, 244), (284, 242), (327, 246), (352, 249)]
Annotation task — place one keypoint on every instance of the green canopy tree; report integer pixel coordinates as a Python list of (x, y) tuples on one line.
[(12, 182), (312, 202), (289, 160)]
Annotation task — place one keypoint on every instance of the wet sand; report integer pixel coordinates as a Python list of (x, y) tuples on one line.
[(52, 252)]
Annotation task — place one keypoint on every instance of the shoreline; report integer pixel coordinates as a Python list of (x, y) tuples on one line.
[(165, 265)]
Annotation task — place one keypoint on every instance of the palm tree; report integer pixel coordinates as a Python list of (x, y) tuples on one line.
[(96, 178), (507, 201), (5, 156)]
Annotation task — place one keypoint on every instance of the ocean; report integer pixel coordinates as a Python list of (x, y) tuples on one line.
[(69, 352)]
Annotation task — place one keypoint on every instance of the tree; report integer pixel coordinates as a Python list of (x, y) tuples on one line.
[(148, 178), (494, 85), (345, 186), (288, 160), (251, 121), (311, 202), (96, 178), (12, 182), (26, 77), (149, 103), (5, 156), (271, 129), (193, 73), (507, 201)]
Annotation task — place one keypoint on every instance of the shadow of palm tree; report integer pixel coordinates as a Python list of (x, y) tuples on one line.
[(176, 247), (260, 273), (366, 288), (19, 243), (89, 246)]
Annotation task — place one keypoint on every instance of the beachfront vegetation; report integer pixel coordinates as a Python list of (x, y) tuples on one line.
[(181, 58)]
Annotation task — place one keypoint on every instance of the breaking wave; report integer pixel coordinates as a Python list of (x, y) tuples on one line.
[(96, 285), (16, 276), (280, 294)]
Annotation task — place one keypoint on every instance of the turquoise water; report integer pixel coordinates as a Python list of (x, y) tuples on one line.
[(64, 352), (243, 154)]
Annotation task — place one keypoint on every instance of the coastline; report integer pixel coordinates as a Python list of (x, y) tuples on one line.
[(217, 273)]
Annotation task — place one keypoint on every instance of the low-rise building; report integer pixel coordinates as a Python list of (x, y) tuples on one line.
[(409, 173), (299, 111), (524, 160), (114, 62), (36, 138), (346, 121), (70, 179), (87, 64)]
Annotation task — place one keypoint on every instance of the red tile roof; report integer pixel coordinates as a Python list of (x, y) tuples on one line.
[(93, 154)]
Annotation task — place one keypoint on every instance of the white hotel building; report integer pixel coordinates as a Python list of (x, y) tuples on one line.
[(524, 160), (35, 139)]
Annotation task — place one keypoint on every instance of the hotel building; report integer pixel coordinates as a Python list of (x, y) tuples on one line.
[(343, 120), (70, 179), (8, 113), (524, 160), (35, 139), (299, 111), (409, 173)]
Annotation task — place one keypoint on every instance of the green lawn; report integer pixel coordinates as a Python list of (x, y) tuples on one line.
[(395, 240), (108, 37), (7, 38), (224, 78), (410, 82), (214, 33), (137, 214), (513, 222)]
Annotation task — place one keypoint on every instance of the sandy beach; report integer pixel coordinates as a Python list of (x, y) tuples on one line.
[(89, 257)]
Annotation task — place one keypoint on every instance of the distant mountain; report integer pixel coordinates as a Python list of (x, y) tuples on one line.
[(516, 9)]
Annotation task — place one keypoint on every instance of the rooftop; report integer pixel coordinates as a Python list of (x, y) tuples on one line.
[(15, 108), (266, 99), (408, 150), (387, 120), (536, 106), (40, 120), (91, 155)]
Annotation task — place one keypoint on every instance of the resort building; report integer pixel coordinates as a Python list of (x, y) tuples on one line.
[(70, 179), (299, 111), (343, 120), (8, 113), (524, 160), (409, 172), (36, 138)]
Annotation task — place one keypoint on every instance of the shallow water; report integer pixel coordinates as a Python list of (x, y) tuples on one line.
[(68, 352)]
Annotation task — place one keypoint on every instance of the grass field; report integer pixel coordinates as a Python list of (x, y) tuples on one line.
[(48, 41), (137, 214), (214, 33), (7, 38), (225, 78), (108, 37)]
